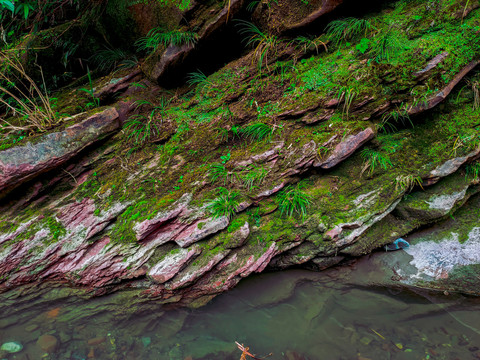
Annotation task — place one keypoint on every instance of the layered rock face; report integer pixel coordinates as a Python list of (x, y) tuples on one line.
[(298, 157)]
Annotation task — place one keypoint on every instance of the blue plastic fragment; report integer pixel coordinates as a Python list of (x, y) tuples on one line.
[(397, 245)]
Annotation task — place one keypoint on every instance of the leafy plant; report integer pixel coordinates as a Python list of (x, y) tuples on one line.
[(109, 59), (363, 45), (392, 119), (251, 177), (293, 200), (257, 131), (199, 79), (92, 100), (373, 159), (264, 44), (384, 46), (218, 171), (142, 128), (159, 36), (7, 4), (20, 94), (347, 95), (254, 216), (473, 170), (348, 28), (407, 182), (225, 204), (306, 44), (225, 158)]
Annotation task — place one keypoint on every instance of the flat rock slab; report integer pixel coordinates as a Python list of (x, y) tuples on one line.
[(22, 163), (346, 148)]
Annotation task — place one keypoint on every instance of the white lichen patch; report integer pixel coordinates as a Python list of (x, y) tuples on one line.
[(366, 200), (437, 259), (445, 202)]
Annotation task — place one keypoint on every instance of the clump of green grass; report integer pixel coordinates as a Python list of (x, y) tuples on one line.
[(347, 95), (225, 204), (407, 182), (308, 44), (265, 44), (257, 131), (142, 128), (293, 200), (384, 46), (160, 36), (200, 80), (373, 159), (252, 177), (108, 59), (218, 172), (473, 171), (348, 28), (392, 119)]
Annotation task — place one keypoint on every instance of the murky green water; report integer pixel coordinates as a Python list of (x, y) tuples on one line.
[(293, 314)]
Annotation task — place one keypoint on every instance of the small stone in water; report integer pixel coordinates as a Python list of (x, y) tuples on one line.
[(365, 340), (12, 347), (31, 328), (47, 343), (146, 341), (97, 341)]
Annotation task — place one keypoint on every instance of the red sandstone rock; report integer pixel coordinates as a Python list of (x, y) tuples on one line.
[(97, 341), (22, 163), (47, 343)]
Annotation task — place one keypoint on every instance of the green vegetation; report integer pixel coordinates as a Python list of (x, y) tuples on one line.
[(265, 45), (225, 203), (473, 171), (257, 132), (20, 94), (109, 59), (347, 29), (293, 200), (373, 159), (406, 183), (91, 100), (252, 177), (199, 79), (160, 37), (218, 172)]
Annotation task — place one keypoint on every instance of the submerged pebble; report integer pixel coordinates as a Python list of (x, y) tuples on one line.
[(146, 341), (12, 347)]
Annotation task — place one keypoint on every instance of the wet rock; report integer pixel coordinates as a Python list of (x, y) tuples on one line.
[(97, 341), (117, 85), (11, 347), (292, 355), (442, 94), (47, 343), (275, 16), (449, 167), (22, 163), (171, 264), (194, 233), (159, 66), (346, 148), (432, 64), (31, 328)]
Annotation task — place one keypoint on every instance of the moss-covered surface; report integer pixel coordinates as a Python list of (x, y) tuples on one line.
[(310, 104)]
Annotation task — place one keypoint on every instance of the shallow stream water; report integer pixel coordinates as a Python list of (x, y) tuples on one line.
[(293, 314)]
